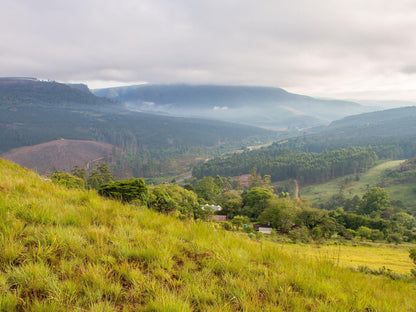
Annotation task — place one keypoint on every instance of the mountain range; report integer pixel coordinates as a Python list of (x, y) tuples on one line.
[(152, 126), (266, 107)]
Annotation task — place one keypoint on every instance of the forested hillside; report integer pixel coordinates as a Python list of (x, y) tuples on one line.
[(34, 112), (391, 132), (350, 145), (282, 163), (32, 92)]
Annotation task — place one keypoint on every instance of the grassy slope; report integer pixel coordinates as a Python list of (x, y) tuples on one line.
[(322, 192), (67, 250)]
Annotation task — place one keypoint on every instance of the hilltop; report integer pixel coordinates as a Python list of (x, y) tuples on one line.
[(71, 250), (266, 107), (20, 91), (61, 155)]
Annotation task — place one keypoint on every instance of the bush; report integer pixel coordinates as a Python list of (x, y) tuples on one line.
[(349, 234), (226, 225), (67, 180), (412, 255), (395, 238), (364, 232), (377, 235), (317, 233), (125, 191)]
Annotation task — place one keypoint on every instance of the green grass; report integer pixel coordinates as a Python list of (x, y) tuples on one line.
[(70, 250), (319, 193)]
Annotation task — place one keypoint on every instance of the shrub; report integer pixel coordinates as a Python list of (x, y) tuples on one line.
[(349, 234), (67, 180), (412, 255), (317, 233), (125, 191), (364, 232), (395, 238), (226, 225), (377, 235)]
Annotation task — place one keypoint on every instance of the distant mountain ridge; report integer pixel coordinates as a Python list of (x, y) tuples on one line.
[(34, 112), (260, 106), (22, 91), (391, 132)]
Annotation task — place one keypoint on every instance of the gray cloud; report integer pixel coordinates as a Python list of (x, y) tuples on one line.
[(325, 47)]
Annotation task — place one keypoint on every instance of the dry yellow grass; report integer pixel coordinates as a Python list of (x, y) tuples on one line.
[(374, 256)]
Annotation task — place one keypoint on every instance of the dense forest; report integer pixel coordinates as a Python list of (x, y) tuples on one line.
[(282, 163)]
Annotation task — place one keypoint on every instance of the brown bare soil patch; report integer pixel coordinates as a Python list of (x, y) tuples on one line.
[(60, 155), (244, 179)]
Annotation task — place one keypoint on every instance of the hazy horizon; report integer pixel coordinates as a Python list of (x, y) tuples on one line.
[(336, 49)]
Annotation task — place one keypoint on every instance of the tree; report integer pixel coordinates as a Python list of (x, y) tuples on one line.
[(173, 198), (207, 189), (281, 213), (100, 175), (311, 217), (231, 203), (80, 173), (405, 220), (255, 201), (374, 202), (161, 201), (219, 182), (185, 201), (189, 187), (255, 178), (364, 232)]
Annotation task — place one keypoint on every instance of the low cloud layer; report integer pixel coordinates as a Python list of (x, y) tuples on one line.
[(344, 49)]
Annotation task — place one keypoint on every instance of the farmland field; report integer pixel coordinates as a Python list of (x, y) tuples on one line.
[(373, 256)]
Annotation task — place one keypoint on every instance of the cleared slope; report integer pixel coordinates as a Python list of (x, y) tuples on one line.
[(399, 183), (71, 250), (60, 155)]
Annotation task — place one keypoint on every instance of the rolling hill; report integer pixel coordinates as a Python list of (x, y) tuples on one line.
[(267, 107), (61, 155), (388, 127), (68, 250), (397, 177)]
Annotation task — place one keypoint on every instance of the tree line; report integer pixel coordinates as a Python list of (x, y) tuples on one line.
[(283, 163)]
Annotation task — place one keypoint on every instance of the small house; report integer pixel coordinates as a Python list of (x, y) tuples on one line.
[(217, 218), (214, 208)]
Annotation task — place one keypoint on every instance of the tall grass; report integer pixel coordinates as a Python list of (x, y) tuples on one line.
[(70, 250)]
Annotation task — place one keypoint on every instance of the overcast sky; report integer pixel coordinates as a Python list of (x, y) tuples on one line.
[(362, 49)]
